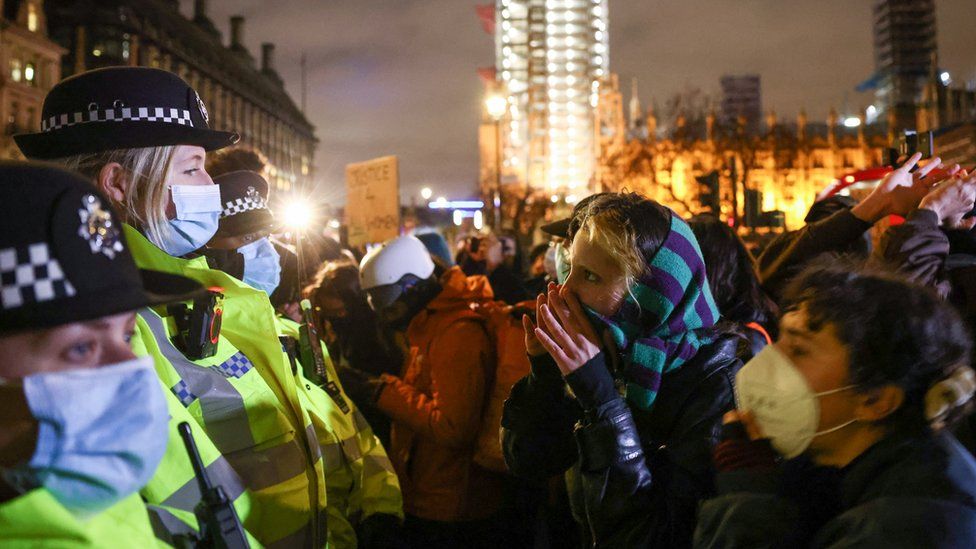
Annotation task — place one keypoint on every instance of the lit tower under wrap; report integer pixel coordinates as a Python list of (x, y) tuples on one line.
[(550, 57)]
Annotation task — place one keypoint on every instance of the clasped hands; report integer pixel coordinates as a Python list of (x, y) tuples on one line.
[(561, 329)]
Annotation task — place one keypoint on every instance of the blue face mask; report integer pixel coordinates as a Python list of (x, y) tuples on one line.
[(262, 266), (101, 434), (197, 217)]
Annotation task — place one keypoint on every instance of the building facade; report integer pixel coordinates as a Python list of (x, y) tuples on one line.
[(31, 64), (742, 96), (904, 54), (240, 95), (550, 58), (774, 176)]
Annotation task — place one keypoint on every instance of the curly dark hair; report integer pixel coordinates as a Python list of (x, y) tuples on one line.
[(232, 159), (732, 274), (896, 332)]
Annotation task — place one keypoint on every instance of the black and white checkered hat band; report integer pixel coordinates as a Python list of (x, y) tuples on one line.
[(125, 114), (28, 274), (241, 205)]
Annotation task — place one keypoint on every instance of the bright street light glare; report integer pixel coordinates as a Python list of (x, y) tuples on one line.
[(496, 105), (479, 220), (852, 122), (426, 193), (297, 214)]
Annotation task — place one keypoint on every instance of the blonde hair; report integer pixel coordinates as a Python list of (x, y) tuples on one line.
[(607, 230), (147, 169)]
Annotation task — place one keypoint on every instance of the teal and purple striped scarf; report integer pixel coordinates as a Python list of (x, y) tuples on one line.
[(666, 317)]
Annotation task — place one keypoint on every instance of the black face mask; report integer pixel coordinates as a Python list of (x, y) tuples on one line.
[(399, 314), (342, 325)]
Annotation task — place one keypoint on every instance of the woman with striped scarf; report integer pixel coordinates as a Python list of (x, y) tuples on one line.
[(630, 376)]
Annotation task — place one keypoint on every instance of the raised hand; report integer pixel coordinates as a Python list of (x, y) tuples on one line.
[(568, 336), (900, 191), (951, 200)]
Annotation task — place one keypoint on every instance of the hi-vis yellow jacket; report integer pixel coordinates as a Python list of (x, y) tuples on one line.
[(358, 475), (37, 519), (244, 399)]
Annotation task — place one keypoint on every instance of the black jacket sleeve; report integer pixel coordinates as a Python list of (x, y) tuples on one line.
[(640, 496), (537, 423), (917, 249), (787, 255)]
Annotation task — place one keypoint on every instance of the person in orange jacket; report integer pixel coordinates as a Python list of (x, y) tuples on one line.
[(436, 403)]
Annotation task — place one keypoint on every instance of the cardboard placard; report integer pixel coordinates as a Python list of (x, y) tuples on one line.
[(373, 201)]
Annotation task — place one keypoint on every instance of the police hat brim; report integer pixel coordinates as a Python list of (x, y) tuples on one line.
[(92, 137), (248, 222), (158, 288), (558, 228)]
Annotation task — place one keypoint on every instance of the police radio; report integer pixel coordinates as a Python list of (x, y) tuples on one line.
[(312, 359), (198, 328), (220, 527)]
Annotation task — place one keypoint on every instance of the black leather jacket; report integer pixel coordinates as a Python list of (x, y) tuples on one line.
[(635, 478)]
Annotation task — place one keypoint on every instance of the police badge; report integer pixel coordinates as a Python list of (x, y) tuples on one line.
[(97, 227), (203, 108)]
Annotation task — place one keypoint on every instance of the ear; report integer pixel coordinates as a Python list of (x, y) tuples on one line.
[(877, 404), (113, 182)]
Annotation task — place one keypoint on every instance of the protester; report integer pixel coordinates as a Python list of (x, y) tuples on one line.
[(357, 344), (844, 230), (734, 283), (921, 248), (436, 403), (538, 278), (868, 372), (235, 383), (648, 327), (84, 421), (485, 256), (437, 246), (364, 504)]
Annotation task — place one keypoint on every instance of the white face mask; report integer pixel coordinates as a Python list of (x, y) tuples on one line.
[(786, 409)]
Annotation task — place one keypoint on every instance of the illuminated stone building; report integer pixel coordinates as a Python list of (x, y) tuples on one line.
[(781, 170), (31, 65), (240, 94)]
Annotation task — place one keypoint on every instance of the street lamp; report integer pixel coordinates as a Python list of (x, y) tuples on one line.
[(496, 105), (426, 193)]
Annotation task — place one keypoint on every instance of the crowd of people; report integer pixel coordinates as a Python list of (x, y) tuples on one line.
[(174, 375)]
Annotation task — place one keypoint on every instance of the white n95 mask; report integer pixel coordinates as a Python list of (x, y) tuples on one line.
[(786, 409)]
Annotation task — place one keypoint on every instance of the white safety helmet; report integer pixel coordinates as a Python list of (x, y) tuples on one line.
[(384, 266)]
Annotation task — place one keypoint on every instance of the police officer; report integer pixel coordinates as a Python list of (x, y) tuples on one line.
[(142, 135), (83, 425), (365, 506)]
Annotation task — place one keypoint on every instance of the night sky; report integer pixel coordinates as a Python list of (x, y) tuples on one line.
[(398, 76)]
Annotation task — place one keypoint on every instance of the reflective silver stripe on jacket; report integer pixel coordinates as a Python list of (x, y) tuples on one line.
[(224, 413)]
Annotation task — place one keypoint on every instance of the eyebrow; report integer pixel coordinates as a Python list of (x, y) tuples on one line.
[(795, 331)]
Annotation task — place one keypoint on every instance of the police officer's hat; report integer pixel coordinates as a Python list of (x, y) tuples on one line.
[(244, 201), (63, 258), (121, 108)]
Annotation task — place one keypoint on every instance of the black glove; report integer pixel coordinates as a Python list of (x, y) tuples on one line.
[(381, 531), (361, 387)]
